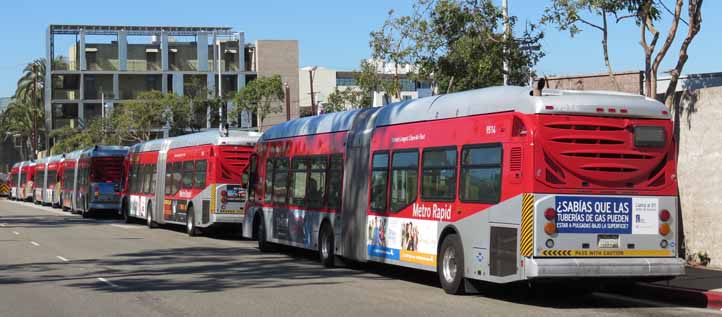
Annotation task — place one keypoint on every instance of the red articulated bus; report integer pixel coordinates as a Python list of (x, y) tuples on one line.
[(193, 180), (496, 185), (14, 181), (39, 180)]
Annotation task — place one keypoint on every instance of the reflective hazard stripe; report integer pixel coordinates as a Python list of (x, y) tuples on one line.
[(526, 245), (605, 253)]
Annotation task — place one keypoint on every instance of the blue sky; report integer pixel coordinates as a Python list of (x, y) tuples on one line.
[(332, 34)]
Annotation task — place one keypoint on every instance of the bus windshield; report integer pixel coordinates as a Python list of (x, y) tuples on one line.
[(106, 169)]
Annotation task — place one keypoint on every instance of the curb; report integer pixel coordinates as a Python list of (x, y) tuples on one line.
[(678, 295)]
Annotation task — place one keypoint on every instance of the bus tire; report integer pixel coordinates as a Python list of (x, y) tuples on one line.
[(326, 246), (149, 217), (450, 265), (260, 230), (190, 223), (126, 212)]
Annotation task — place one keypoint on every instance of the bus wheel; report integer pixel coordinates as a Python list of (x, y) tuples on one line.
[(149, 217), (126, 213), (325, 246), (450, 265), (263, 245), (190, 223)]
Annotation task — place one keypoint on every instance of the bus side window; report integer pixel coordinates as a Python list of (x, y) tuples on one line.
[(379, 181), (404, 179), (187, 177), (299, 180), (481, 174), (439, 174), (153, 177), (280, 182), (199, 181), (176, 177), (252, 178), (147, 179), (269, 180), (141, 178), (168, 178), (335, 181), (315, 191), (133, 179)]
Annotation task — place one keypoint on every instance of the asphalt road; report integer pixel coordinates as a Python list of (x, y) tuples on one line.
[(53, 263)]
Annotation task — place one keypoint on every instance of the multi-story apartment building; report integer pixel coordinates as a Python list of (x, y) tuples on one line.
[(94, 67), (326, 80)]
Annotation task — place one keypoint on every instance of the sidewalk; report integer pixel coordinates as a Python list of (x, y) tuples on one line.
[(700, 287)]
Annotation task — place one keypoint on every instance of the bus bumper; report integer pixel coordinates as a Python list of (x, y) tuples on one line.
[(603, 267), (105, 206)]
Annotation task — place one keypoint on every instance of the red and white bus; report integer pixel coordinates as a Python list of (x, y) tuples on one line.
[(39, 179), (68, 179), (193, 180), (27, 177), (494, 185)]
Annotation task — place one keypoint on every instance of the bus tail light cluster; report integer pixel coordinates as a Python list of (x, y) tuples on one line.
[(550, 228), (664, 216), (224, 196)]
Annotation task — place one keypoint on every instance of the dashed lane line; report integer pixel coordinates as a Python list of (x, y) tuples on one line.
[(16, 233), (35, 243), (62, 259), (107, 282), (126, 226)]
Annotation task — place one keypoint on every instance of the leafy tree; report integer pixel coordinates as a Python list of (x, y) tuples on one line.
[(567, 15), (135, 121), (261, 96), (570, 15), (457, 44), (369, 81), (342, 100)]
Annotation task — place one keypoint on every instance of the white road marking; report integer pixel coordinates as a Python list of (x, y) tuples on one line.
[(35, 243), (16, 233), (62, 259), (107, 282), (126, 226), (2, 225)]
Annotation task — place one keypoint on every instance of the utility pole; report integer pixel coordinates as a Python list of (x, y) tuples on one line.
[(287, 91), (311, 72), (505, 58), (34, 142)]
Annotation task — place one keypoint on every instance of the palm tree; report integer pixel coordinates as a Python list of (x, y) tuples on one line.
[(17, 121)]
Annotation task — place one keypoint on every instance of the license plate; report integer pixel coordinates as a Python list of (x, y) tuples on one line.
[(608, 241)]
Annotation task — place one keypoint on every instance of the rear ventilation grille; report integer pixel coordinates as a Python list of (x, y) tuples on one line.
[(584, 127), (515, 161), (609, 169), (609, 155), (586, 141)]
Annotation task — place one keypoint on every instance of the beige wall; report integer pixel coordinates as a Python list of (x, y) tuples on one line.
[(279, 58), (631, 82), (700, 171)]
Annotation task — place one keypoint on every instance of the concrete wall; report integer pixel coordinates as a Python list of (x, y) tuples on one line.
[(631, 82), (324, 82), (700, 171), (279, 58)]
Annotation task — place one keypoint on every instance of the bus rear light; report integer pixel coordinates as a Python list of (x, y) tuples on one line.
[(551, 228), (664, 229), (550, 214), (664, 215), (224, 196)]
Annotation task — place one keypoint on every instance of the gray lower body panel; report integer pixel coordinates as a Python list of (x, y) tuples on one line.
[(603, 267)]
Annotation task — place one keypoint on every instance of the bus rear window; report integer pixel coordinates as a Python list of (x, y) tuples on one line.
[(649, 136), (106, 169)]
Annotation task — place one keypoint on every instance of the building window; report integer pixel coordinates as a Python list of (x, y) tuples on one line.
[(346, 81), (481, 174), (439, 174), (404, 179), (407, 85)]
